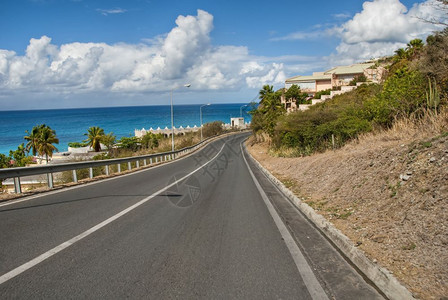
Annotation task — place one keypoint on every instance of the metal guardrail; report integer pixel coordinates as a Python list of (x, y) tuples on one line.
[(16, 173)]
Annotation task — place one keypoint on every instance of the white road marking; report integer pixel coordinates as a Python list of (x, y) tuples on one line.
[(314, 288), (13, 273)]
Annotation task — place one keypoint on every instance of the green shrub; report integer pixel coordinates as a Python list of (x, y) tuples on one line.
[(403, 94), (319, 94), (212, 129), (131, 143), (77, 144), (150, 140)]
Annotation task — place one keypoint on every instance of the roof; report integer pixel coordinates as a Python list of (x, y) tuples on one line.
[(309, 78), (352, 69)]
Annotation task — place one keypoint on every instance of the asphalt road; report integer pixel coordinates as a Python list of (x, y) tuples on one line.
[(199, 227)]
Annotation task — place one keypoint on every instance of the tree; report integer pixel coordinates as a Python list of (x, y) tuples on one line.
[(150, 140), (108, 140), (33, 138), (401, 53), (94, 135), (47, 138), (131, 143), (4, 161), (19, 156), (41, 140), (296, 94), (414, 48), (265, 117), (213, 128), (265, 92)]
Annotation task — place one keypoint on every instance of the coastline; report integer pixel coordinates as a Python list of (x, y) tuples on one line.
[(71, 124)]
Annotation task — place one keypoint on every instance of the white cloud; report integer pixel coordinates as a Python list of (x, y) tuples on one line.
[(382, 27), (302, 35), (185, 54), (342, 16), (264, 75), (112, 11)]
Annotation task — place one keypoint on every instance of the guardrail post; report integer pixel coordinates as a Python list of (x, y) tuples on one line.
[(17, 186), (50, 180), (75, 176), (91, 172), (150, 161), (119, 168), (157, 159), (137, 164), (107, 170), (129, 166), (144, 162)]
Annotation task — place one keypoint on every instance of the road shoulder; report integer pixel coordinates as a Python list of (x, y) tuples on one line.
[(381, 277)]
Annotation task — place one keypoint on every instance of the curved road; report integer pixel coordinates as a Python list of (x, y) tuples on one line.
[(207, 226)]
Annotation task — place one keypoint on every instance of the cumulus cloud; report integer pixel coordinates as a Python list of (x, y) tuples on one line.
[(185, 54), (382, 27)]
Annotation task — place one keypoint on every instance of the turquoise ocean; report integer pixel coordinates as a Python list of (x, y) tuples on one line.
[(71, 124)]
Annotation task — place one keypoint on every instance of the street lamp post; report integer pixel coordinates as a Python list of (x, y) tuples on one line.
[(200, 114), (172, 115), (241, 110)]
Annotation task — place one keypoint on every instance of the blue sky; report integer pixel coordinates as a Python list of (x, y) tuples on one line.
[(84, 53)]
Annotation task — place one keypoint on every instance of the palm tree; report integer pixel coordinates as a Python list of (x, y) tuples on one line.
[(265, 92), (108, 140), (33, 138), (94, 136), (413, 47), (47, 138), (401, 53), (415, 43)]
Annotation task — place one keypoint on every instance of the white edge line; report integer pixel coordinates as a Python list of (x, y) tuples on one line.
[(13, 273), (314, 287)]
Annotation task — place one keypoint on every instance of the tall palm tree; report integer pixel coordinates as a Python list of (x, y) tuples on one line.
[(94, 135), (46, 140), (33, 138), (265, 92)]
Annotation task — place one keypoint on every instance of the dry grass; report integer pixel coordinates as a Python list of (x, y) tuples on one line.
[(430, 124), (403, 224)]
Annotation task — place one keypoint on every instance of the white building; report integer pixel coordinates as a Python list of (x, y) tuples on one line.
[(237, 123)]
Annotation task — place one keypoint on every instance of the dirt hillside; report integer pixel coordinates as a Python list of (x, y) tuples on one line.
[(388, 193)]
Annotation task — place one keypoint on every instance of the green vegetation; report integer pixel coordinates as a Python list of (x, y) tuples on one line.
[(41, 140), (265, 117), (212, 129), (320, 93), (77, 144), (360, 78), (47, 138), (19, 157), (94, 135), (416, 85), (151, 140), (296, 95)]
